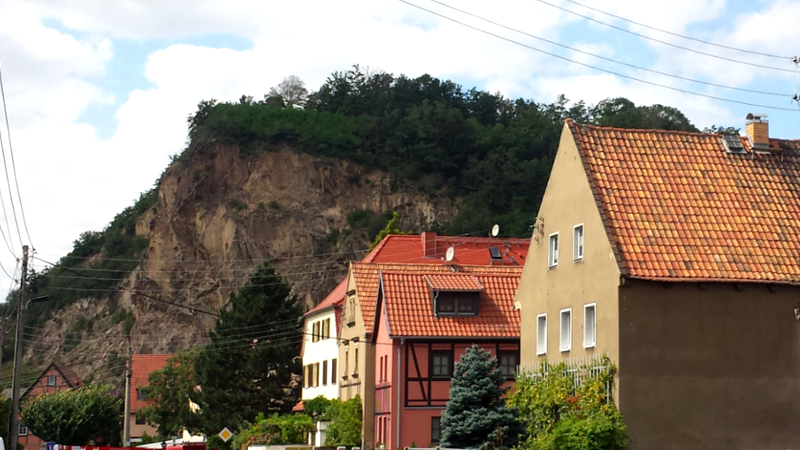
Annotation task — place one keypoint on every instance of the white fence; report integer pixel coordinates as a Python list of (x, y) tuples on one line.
[(579, 368)]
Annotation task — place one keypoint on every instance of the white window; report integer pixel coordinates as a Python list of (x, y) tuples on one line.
[(589, 325), (577, 242), (566, 330), (22, 430), (541, 334), (51, 380), (552, 254)]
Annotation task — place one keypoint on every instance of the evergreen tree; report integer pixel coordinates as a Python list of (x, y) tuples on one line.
[(476, 415), (252, 364)]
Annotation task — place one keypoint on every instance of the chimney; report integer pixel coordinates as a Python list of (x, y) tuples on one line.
[(428, 244), (757, 127)]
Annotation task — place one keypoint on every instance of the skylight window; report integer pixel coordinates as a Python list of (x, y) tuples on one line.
[(495, 252), (733, 144)]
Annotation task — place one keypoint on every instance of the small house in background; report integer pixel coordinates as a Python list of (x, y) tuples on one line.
[(141, 368), (426, 318), (55, 378), (678, 255)]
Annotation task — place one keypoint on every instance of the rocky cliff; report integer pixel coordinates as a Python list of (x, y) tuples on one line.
[(220, 213)]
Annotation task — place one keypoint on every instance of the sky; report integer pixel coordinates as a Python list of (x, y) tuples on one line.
[(97, 92)]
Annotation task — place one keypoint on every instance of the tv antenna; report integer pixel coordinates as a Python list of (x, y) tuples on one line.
[(495, 230), (451, 252)]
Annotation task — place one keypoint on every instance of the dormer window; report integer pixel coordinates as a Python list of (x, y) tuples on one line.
[(455, 294), (456, 303)]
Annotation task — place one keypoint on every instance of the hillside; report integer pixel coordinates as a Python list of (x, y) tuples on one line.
[(306, 190)]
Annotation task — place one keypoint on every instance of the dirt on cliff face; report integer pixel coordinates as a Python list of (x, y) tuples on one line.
[(220, 214)]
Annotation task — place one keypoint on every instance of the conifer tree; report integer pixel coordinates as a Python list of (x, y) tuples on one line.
[(476, 415), (252, 364)]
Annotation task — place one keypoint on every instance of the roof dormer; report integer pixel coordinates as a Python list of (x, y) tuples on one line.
[(454, 294)]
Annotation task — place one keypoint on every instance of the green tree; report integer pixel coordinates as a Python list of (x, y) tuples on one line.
[(251, 365), (75, 417), (476, 415), (345, 426), (558, 415), (170, 390), (390, 228)]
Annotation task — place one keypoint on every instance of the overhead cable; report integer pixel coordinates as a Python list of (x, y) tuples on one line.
[(633, 66), (644, 36), (610, 72)]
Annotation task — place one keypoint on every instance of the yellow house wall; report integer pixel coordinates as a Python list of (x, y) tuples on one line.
[(568, 201), (361, 381)]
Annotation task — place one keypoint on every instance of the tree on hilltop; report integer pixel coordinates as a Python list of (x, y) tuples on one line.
[(292, 90)]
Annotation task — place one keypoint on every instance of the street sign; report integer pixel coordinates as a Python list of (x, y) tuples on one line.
[(225, 434), (50, 445)]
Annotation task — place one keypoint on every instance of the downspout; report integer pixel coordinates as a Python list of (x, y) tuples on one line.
[(399, 387)]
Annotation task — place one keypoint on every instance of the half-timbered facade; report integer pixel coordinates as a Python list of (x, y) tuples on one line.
[(357, 360), (426, 318), (55, 378)]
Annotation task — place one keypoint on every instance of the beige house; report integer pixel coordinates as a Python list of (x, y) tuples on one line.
[(678, 255)]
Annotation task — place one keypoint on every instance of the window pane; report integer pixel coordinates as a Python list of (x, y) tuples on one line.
[(577, 243), (466, 305), (324, 372), (553, 250), (441, 364), (589, 326), (333, 371), (436, 429), (566, 330), (541, 335), (445, 304)]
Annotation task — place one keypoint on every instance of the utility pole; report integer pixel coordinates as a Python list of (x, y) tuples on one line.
[(126, 421), (13, 431)]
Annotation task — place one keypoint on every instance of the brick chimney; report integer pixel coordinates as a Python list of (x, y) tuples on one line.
[(757, 127), (428, 244)]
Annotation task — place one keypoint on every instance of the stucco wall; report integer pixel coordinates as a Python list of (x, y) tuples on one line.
[(710, 366), (320, 351), (568, 201)]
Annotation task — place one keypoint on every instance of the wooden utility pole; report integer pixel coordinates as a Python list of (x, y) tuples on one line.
[(126, 421), (13, 430)]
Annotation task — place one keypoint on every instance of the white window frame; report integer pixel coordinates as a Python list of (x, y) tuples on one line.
[(541, 344), (577, 247), (590, 338), (22, 429), (565, 339), (51, 380), (552, 251)]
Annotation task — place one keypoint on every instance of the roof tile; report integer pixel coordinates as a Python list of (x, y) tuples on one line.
[(677, 206)]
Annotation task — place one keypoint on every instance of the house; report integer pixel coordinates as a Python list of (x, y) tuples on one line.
[(678, 255), (320, 350), (141, 368), (357, 357), (426, 318), (55, 378)]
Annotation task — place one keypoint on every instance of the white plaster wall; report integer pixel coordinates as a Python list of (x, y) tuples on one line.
[(317, 352)]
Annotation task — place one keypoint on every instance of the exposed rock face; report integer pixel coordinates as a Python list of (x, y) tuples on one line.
[(218, 215)]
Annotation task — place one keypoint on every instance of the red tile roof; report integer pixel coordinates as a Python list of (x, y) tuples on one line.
[(468, 250), (367, 278), (336, 297), (453, 282), (409, 305), (677, 206), (141, 367)]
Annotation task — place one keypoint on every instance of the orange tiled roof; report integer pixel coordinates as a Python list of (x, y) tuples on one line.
[(410, 310), (367, 278), (141, 367), (453, 282), (678, 207), (468, 250)]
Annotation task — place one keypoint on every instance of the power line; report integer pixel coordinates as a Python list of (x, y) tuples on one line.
[(611, 72), (727, 47), (644, 36), (8, 179), (752, 91)]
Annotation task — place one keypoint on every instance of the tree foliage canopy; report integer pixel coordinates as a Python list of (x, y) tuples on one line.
[(244, 373), (170, 390), (476, 415), (493, 152), (75, 417)]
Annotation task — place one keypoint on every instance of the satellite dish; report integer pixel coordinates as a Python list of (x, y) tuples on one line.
[(451, 252), (495, 230)]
